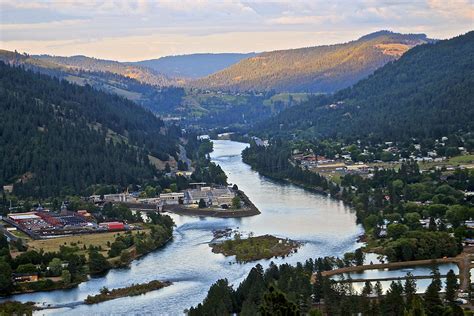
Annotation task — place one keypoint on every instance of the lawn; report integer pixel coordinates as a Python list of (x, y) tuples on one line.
[(463, 159), (53, 244), (453, 161)]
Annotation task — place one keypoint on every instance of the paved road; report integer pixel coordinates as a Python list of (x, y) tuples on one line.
[(183, 156), (464, 265)]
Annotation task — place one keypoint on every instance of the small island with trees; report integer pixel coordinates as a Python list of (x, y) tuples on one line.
[(255, 248), (132, 290)]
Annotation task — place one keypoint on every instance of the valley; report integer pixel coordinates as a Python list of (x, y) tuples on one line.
[(193, 172)]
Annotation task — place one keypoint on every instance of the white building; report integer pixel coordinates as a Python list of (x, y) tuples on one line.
[(172, 198)]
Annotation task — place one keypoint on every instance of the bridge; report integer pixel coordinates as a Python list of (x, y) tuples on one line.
[(463, 261)]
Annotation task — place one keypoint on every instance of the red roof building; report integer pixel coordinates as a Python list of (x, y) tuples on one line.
[(114, 225)]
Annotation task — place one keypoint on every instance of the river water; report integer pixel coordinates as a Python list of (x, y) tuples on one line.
[(324, 225)]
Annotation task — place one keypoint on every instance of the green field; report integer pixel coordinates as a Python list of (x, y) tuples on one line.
[(463, 159)]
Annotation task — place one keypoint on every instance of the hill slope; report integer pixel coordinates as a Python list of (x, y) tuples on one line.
[(314, 69), (193, 65), (60, 138), (157, 99), (141, 74), (427, 93)]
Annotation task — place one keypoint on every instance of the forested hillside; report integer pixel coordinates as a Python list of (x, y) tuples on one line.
[(60, 138), (141, 74), (114, 79), (314, 69), (427, 93), (193, 65)]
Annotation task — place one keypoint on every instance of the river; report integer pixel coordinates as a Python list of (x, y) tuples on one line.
[(324, 225)]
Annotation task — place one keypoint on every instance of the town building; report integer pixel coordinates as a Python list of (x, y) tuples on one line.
[(172, 198)]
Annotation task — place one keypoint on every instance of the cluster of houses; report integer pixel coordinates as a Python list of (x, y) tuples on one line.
[(424, 223), (344, 164), (319, 163)]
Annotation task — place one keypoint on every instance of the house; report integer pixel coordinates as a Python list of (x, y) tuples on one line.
[(8, 188), (468, 242), (425, 223), (86, 215), (25, 277), (186, 174), (469, 224)]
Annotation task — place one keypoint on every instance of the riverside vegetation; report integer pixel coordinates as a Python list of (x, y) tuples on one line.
[(70, 264), (397, 199)]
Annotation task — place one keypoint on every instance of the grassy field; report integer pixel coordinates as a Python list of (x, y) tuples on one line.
[(464, 159), (53, 244), (285, 98), (453, 161)]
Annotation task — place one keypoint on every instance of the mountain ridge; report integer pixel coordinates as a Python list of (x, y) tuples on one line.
[(192, 65), (81, 62), (427, 93), (325, 68)]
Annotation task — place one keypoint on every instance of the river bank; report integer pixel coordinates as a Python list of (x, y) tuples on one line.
[(17, 308), (249, 209), (147, 240)]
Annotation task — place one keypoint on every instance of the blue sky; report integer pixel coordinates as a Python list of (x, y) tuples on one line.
[(135, 30)]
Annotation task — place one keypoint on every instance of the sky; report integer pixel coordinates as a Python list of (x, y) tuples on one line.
[(132, 30)]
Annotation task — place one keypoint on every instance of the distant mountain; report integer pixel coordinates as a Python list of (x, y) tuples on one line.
[(106, 76), (141, 74), (58, 138), (428, 93), (193, 65), (314, 69)]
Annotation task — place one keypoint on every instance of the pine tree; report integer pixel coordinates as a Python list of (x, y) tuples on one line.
[(276, 303), (367, 289), (409, 289), (359, 257), (432, 301), (451, 286), (378, 289), (416, 308), (393, 304)]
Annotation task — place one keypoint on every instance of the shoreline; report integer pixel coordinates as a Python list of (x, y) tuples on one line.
[(264, 247), (249, 210), (114, 266), (129, 291)]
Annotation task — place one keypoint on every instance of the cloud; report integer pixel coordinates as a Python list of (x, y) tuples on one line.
[(300, 20), (463, 9), (80, 26), (43, 25)]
